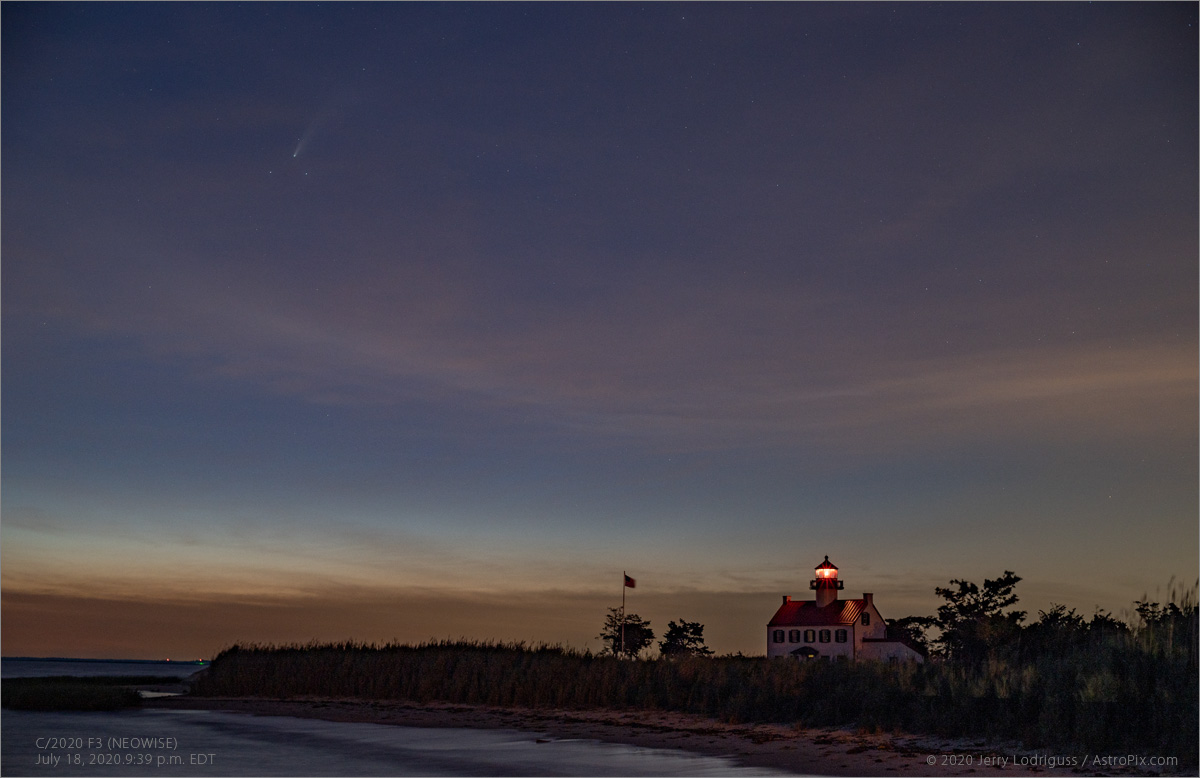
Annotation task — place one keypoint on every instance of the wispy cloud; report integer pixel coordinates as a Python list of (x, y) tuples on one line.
[(699, 366)]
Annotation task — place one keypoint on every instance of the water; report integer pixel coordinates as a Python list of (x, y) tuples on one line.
[(201, 742), (26, 667)]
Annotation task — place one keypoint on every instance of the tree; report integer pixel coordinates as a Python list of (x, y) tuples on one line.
[(685, 638), (638, 634), (972, 620), (1104, 625), (912, 630), (1057, 631), (1060, 622)]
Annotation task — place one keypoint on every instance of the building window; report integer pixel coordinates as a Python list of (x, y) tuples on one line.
[(794, 636), (810, 636), (777, 636), (840, 636), (866, 619), (824, 636)]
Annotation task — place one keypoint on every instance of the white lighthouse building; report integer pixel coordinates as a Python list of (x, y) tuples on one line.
[(830, 627)]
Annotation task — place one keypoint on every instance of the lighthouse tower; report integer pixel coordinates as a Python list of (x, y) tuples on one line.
[(826, 583)]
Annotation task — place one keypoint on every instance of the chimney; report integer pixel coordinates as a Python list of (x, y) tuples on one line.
[(787, 598), (868, 598)]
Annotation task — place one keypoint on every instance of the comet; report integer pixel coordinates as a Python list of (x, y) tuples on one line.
[(317, 124), (303, 140), (333, 110)]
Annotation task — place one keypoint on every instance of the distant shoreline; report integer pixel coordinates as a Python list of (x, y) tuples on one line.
[(107, 661), (816, 751)]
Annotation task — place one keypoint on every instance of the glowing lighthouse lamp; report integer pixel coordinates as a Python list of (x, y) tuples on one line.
[(826, 583)]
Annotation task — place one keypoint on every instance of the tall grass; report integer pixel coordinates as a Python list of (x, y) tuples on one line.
[(1119, 695)]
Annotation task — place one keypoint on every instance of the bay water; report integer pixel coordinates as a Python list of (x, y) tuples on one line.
[(161, 742)]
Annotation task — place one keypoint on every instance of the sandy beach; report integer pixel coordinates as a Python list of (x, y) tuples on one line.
[(804, 751)]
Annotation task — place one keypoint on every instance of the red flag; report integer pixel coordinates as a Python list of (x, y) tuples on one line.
[(632, 584)]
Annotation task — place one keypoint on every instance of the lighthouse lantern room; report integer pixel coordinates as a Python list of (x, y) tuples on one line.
[(826, 583)]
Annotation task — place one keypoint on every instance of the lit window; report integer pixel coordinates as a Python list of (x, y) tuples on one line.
[(777, 636), (824, 636), (840, 636), (810, 636)]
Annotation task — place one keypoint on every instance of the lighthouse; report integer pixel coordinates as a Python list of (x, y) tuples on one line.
[(832, 628), (826, 583)]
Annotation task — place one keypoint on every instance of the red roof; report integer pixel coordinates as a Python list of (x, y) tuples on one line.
[(805, 613)]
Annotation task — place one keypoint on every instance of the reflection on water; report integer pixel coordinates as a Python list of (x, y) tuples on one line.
[(197, 743)]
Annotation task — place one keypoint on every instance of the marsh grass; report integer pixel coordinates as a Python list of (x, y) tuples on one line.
[(74, 693), (1121, 694)]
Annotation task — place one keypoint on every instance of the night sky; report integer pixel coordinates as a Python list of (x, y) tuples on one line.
[(423, 321)]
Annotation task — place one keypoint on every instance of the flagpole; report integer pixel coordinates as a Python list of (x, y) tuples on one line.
[(624, 577)]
